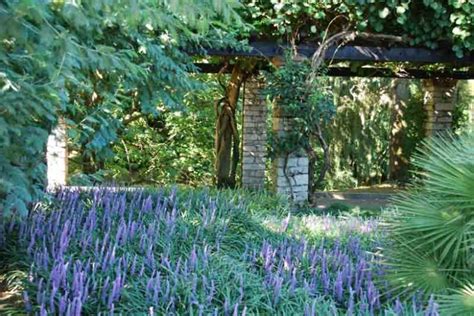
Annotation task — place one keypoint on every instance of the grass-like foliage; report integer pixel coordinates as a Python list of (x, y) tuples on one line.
[(433, 227), (194, 252)]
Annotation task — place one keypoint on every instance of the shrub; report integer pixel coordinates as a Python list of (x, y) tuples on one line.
[(433, 227)]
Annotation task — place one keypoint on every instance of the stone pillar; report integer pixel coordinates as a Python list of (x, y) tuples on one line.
[(57, 155), (438, 103), (254, 135), (293, 182)]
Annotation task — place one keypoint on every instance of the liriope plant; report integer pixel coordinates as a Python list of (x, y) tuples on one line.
[(432, 228)]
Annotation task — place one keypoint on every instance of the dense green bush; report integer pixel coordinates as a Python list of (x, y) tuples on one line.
[(95, 62), (173, 146), (433, 225)]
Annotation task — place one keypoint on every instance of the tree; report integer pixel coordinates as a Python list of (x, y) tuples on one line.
[(99, 61)]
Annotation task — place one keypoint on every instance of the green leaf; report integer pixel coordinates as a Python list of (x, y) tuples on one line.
[(384, 13)]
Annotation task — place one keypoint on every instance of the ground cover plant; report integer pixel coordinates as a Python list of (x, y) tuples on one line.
[(195, 252)]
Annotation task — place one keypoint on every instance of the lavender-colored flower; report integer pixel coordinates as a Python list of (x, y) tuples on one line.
[(62, 304), (43, 311), (236, 310), (105, 289), (27, 302), (210, 296), (351, 303), (398, 307), (226, 306), (277, 284), (77, 307), (285, 223), (432, 308)]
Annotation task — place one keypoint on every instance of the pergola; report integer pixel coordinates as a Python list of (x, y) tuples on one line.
[(438, 103), (293, 181)]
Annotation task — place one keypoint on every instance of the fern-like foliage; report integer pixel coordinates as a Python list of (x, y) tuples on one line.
[(92, 62), (432, 228)]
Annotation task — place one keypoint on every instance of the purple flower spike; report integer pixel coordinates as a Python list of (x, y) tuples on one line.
[(338, 289), (432, 309), (284, 224), (293, 281), (236, 310), (350, 305), (310, 310), (77, 307), (226, 306), (277, 289), (26, 300), (210, 296), (62, 305)]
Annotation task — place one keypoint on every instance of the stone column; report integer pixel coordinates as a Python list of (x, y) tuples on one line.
[(57, 155), (438, 103), (292, 180), (254, 135)]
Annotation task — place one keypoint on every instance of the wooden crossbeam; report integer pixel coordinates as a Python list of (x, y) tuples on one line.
[(368, 72), (353, 53)]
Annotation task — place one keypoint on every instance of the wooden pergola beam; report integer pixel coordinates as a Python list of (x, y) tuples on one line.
[(352, 53), (368, 72), (405, 74)]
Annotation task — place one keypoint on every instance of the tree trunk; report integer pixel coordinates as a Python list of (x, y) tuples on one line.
[(398, 164), (227, 137)]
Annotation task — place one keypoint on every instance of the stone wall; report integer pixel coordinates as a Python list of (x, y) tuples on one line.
[(56, 155), (293, 182), (254, 135), (438, 103)]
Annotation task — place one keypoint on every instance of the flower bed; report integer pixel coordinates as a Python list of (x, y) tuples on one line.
[(195, 252)]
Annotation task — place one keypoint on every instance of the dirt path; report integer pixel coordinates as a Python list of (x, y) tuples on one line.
[(371, 197)]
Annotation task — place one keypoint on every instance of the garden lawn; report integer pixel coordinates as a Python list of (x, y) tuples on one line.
[(194, 252)]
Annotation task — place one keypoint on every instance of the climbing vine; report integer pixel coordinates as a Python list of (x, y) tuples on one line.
[(430, 23), (305, 101), (227, 139)]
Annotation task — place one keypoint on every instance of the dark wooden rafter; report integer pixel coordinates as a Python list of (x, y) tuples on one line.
[(402, 74), (353, 53), (370, 72), (359, 53)]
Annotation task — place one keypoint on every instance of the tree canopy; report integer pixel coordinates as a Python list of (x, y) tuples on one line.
[(102, 59)]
